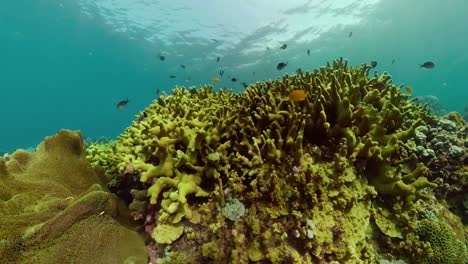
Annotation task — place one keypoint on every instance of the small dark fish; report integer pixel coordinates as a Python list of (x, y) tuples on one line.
[(284, 46), (244, 84), (299, 71), (253, 73), (234, 79), (427, 65), (308, 52), (162, 58), (122, 104), (142, 117), (373, 64), (221, 72), (215, 40), (281, 65), (158, 91), (350, 34), (172, 76), (393, 61), (182, 66), (379, 85), (217, 60), (267, 48)]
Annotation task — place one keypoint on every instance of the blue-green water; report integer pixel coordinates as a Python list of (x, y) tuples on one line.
[(65, 64)]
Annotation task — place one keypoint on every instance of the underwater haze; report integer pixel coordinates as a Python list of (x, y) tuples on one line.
[(66, 64)]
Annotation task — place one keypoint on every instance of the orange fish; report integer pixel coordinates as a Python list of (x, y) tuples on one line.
[(216, 80), (409, 89), (297, 95), (69, 200)]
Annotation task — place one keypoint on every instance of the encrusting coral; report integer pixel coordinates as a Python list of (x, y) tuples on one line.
[(308, 172), (442, 145), (54, 208), (446, 248)]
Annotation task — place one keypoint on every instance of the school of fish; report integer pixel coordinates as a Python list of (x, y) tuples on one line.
[(295, 95)]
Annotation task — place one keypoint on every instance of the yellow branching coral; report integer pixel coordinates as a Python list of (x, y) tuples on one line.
[(285, 160)]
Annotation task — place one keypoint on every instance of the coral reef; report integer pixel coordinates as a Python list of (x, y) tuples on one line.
[(465, 113), (441, 141), (442, 145), (257, 177), (54, 208), (432, 103)]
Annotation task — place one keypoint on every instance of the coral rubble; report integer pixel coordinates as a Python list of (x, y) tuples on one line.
[(251, 177)]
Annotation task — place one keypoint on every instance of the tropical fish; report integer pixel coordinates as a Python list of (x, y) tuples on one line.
[(69, 200), (193, 90), (393, 61), (350, 34), (409, 89), (182, 66), (215, 40), (284, 46), (158, 91), (244, 84), (122, 104), (221, 72), (233, 79), (253, 73), (299, 71), (172, 76), (373, 64), (216, 80), (308, 52), (162, 57), (217, 60), (427, 65), (142, 117), (297, 95), (281, 65), (379, 85)]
